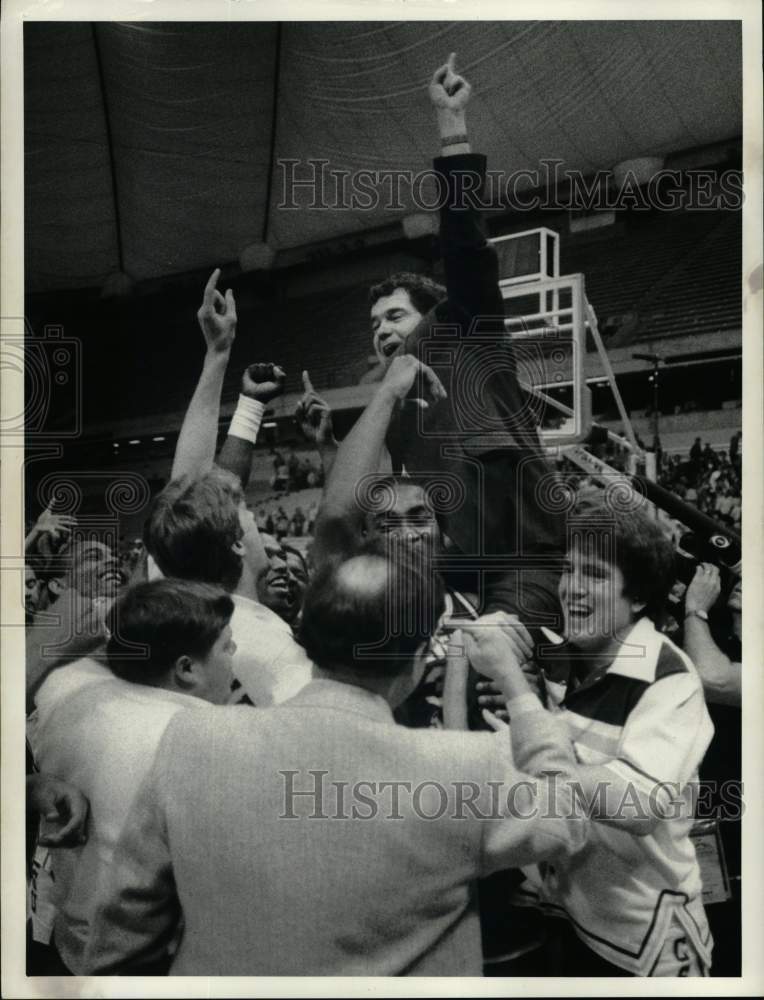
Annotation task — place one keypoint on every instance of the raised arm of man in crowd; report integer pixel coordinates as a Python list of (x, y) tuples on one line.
[(260, 384), (195, 450), (314, 418), (49, 532), (722, 678), (362, 452)]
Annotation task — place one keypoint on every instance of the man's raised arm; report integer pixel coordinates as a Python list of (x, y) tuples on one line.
[(361, 452), (470, 261), (195, 450), (260, 384)]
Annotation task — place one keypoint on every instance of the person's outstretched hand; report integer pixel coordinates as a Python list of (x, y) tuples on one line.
[(217, 316), (62, 808), (313, 414), (448, 90)]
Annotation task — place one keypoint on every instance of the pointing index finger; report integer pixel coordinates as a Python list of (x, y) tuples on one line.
[(211, 286), (306, 383)]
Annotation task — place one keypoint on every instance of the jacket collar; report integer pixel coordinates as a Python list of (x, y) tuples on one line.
[(324, 693), (638, 653)]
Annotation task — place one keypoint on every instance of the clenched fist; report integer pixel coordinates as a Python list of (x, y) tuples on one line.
[(263, 382)]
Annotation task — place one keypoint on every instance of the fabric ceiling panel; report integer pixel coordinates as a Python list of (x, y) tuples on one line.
[(68, 202), (352, 94), (664, 87), (190, 107)]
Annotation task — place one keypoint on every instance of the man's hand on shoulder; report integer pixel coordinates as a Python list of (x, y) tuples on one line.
[(400, 378)]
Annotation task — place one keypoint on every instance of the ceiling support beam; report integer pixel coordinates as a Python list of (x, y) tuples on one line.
[(110, 146)]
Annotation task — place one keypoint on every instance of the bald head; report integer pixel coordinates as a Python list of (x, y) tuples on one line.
[(370, 614)]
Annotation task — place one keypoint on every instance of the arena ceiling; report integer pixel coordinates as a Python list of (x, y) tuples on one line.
[(149, 146)]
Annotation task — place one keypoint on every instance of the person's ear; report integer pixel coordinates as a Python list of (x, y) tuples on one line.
[(238, 548), (56, 586), (186, 673), (637, 607)]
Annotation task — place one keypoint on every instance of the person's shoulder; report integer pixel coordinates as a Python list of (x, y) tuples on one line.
[(248, 612), (648, 656), (72, 677), (193, 733)]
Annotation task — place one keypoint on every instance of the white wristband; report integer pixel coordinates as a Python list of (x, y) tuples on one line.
[(246, 420)]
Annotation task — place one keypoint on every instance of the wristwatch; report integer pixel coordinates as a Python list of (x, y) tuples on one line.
[(697, 613)]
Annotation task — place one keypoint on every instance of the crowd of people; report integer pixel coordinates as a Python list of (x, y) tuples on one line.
[(459, 708), (292, 472), (273, 519), (709, 480)]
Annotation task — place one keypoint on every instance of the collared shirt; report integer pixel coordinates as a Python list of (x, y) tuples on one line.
[(101, 734), (269, 664), (644, 719)]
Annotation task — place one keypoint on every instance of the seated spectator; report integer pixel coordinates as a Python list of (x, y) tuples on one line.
[(312, 515), (281, 524), (636, 714), (98, 727), (298, 522), (261, 519), (724, 502)]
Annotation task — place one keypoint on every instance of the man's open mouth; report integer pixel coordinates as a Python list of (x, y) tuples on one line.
[(391, 348), (578, 614)]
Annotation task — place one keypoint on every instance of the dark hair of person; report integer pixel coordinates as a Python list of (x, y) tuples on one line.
[(624, 532), (423, 291), (293, 550), (155, 623), (192, 526)]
